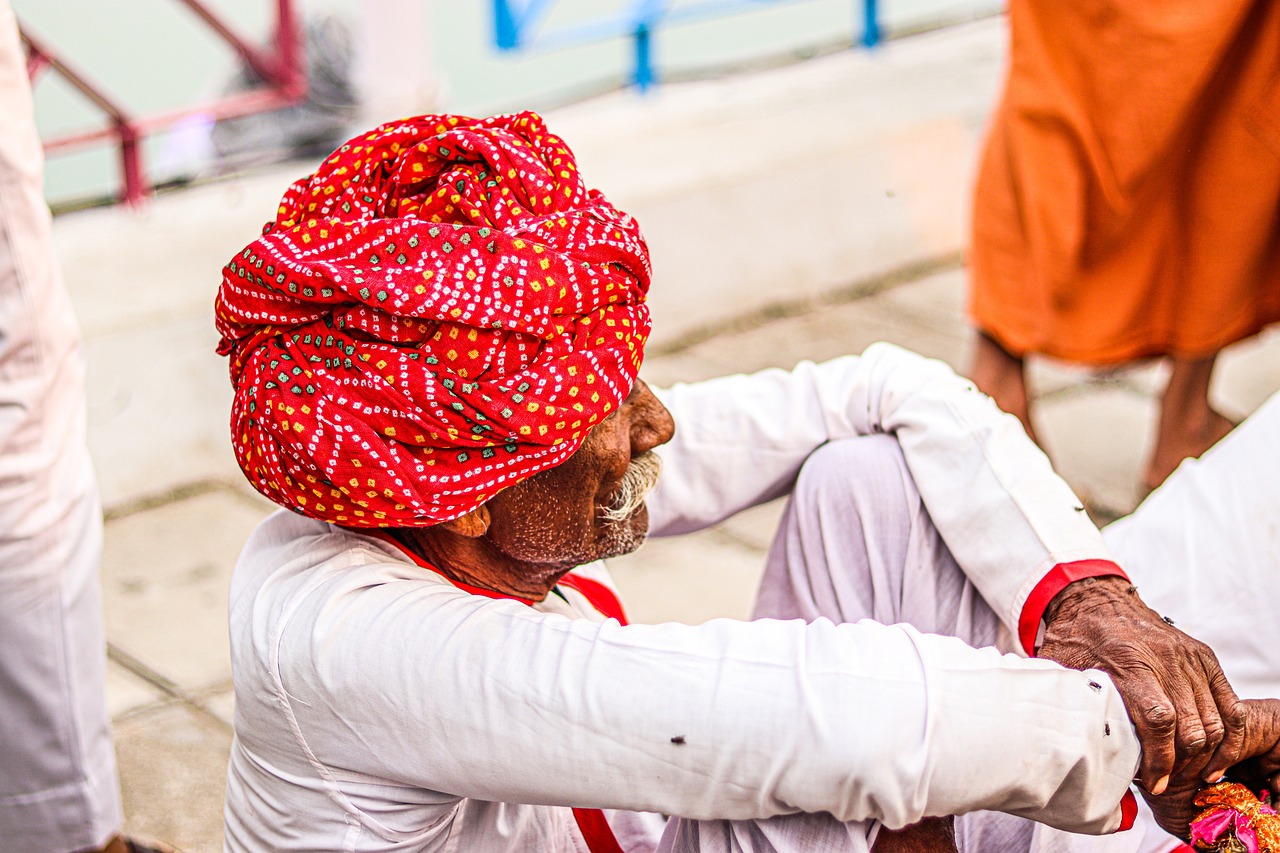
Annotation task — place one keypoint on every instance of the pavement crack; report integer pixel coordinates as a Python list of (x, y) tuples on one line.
[(174, 494), (162, 682)]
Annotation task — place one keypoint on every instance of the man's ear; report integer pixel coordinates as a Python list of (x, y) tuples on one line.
[(472, 525)]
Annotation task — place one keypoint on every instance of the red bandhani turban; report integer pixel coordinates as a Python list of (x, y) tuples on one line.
[(442, 310)]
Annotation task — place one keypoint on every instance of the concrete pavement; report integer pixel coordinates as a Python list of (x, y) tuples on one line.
[(802, 212)]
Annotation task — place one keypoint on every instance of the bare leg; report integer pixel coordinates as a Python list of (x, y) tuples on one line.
[(1188, 425), (999, 374), (931, 835)]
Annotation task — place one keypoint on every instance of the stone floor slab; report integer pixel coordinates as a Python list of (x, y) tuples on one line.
[(173, 763), (826, 333), (127, 692), (755, 527), (1248, 373), (165, 575), (688, 579), (133, 269), (1098, 440), (663, 371), (1045, 377), (935, 301), (222, 704)]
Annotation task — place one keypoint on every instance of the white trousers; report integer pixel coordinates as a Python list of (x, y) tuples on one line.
[(58, 788), (856, 542)]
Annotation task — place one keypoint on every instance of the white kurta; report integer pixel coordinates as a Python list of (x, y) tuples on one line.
[(380, 708)]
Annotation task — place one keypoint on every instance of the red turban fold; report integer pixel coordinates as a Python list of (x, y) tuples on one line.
[(442, 310)]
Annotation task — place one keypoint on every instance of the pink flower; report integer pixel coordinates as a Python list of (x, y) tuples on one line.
[(1208, 829)]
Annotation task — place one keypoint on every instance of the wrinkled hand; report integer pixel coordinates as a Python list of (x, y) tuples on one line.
[(1188, 719), (1260, 753)]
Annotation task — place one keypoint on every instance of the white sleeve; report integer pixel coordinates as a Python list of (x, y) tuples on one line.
[(423, 685), (995, 499)]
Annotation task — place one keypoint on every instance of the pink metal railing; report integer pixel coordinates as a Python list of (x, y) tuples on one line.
[(280, 68)]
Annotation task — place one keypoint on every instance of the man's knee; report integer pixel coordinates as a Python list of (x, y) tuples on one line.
[(857, 542), (856, 473), (846, 536)]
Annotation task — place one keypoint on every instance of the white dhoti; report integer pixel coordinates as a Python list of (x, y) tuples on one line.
[(58, 788)]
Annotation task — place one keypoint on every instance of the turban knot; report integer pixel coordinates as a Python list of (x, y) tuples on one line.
[(442, 310)]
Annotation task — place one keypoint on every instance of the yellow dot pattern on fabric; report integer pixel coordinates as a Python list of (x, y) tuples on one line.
[(418, 327)]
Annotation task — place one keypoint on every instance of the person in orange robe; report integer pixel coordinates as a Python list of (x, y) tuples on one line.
[(1128, 197)]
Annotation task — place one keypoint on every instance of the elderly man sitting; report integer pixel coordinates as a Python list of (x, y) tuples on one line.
[(434, 348)]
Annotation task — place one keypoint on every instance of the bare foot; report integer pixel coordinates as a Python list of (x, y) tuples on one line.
[(1189, 442), (1188, 425), (931, 835)]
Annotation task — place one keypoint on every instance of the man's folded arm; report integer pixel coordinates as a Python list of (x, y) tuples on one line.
[(1014, 526), (492, 700)]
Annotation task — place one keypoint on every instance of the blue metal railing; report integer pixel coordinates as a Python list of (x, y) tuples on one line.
[(516, 26)]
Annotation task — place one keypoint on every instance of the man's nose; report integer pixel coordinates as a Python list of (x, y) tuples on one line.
[(650, 422)]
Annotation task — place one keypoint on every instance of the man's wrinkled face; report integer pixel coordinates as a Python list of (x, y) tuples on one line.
[(577, 512)]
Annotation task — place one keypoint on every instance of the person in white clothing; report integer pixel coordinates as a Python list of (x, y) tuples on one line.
[(58, 785), (434, 348)]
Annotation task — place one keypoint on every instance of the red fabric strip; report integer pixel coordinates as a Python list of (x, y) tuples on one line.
[(600, 596), (596, 831), (1128, 811), (1050, 585)]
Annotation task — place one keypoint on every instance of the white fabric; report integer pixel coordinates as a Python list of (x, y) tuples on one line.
[(1003, 512), (58, 788), (850, 548), (379, 708), (1204, 550)]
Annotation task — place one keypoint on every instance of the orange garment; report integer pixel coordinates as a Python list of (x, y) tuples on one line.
[(1128, 200)]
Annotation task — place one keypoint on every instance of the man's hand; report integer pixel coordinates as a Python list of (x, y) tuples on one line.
[(1260, 754), (1188, 719)]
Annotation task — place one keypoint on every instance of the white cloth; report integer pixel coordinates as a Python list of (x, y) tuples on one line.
[(379, 708), (58, 789), (1204, 550), (855, 542), (1005, 515)]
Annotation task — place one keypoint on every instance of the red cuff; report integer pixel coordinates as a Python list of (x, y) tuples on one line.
[(1128, 811), (1050, 585)]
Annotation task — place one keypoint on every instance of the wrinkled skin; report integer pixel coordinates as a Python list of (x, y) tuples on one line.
[(1175, 809), (524, 539), (1192, 726), (1187, 717)]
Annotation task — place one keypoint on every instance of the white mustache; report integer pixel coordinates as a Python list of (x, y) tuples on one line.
[(640, 479)]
